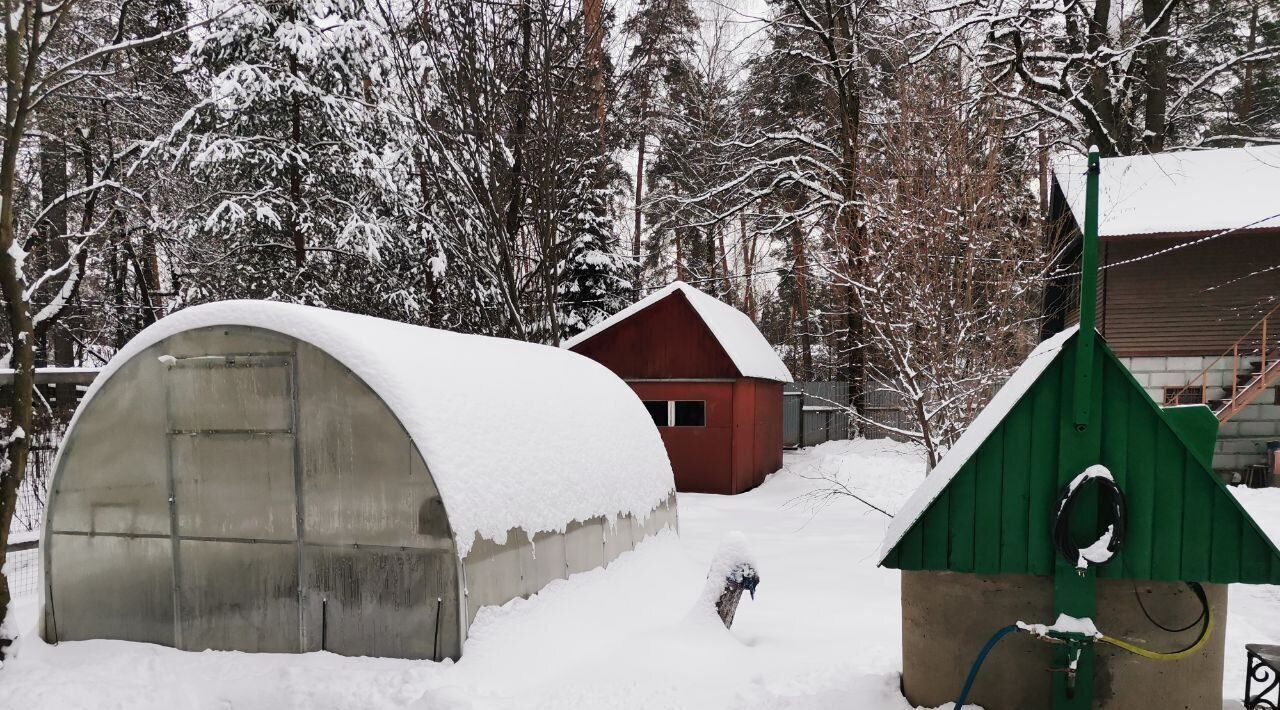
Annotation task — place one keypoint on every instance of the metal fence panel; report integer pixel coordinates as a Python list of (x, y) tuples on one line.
[(815, 412), (792, 401), (885, 407), (22, 569)]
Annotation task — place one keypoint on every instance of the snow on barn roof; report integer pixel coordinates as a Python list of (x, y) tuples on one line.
[(573, 441), (740, 338), (976, 433), (1189, 191)]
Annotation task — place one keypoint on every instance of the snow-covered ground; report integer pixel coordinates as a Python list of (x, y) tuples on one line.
[(822, 632)]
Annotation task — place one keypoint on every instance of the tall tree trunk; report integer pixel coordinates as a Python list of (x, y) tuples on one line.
[(724, 268), (639, 219), (801, 270), (593, 24), (1098, 110), (1157, 71), (1042, 160), (1245, 111), (679, 240), (117, 271), (749, 263), (53, 188), (15, 444), (295, 178), (845, 54), (515, 205), (53, 240), (151, 263)]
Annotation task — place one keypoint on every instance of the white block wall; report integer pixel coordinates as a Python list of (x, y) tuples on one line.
[(1241, 441)]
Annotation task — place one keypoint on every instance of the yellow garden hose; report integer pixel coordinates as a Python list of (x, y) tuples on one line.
[(1205, 632)]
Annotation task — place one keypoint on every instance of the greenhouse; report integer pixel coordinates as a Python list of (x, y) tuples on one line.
[(268, 477)]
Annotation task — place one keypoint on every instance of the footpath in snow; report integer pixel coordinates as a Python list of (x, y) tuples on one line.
[(822, 632)]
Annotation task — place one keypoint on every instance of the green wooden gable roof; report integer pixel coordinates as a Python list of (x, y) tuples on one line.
[(986, 508)]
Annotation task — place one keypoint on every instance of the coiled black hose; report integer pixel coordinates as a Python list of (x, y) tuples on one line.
[(1061, 522)]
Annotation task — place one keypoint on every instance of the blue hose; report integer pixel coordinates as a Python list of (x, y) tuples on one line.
[(977, 662)]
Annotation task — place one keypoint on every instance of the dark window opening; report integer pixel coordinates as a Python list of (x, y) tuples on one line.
[(691, 413), (658, 410), (1183, 395)]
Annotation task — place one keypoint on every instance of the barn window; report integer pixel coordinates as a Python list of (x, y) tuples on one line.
[(660, 411), (690, 413)]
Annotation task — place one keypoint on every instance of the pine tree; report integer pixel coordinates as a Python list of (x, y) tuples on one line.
[(594, 283), (663, 31), (308, 184), (592, 280)]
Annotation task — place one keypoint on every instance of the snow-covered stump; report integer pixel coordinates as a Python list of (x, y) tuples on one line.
[(733, 570)]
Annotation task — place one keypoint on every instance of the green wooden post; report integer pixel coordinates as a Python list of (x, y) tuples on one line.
[(1073, 589), (1088, 294)]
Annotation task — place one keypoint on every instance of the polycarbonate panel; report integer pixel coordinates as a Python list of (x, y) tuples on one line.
[(548, 561), (495, 573), (617, 537), (232, 393), (652, 523), (239, 596), (638, 531), (661, 518), (584, 545), (363, 482), (226, 340), (235, 485), (113, 473), (367, 602), (673, 513), (111, 587)]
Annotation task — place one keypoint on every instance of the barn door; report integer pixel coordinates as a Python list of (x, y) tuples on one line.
[(233, 502)]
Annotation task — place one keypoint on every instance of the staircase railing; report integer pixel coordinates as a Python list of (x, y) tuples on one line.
[(1264, 333)]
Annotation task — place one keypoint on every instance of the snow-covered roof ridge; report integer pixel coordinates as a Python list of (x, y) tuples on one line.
[(736, 333), (574, 442), (977, 432), (1184, 191)]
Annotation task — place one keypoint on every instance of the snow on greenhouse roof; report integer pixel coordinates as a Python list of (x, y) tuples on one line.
[(572, 441), (1189, 191), (976, 433), (740, 338)]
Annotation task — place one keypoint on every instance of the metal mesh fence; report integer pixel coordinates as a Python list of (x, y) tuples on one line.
[(21, 558), (35, 485), (22, 568)]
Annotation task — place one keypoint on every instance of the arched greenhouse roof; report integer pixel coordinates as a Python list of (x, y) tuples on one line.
[(515, 434)]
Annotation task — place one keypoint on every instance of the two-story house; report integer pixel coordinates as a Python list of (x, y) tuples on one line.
[(1189, 283)]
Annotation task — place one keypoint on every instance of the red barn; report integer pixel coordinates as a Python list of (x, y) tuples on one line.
[(708, 377)]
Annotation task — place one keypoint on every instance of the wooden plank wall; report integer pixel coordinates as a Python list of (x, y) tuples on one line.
[(1193, 301)]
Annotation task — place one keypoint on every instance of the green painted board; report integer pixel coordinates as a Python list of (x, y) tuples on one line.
[(1015, 505), (987, 505), (962, 493)]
